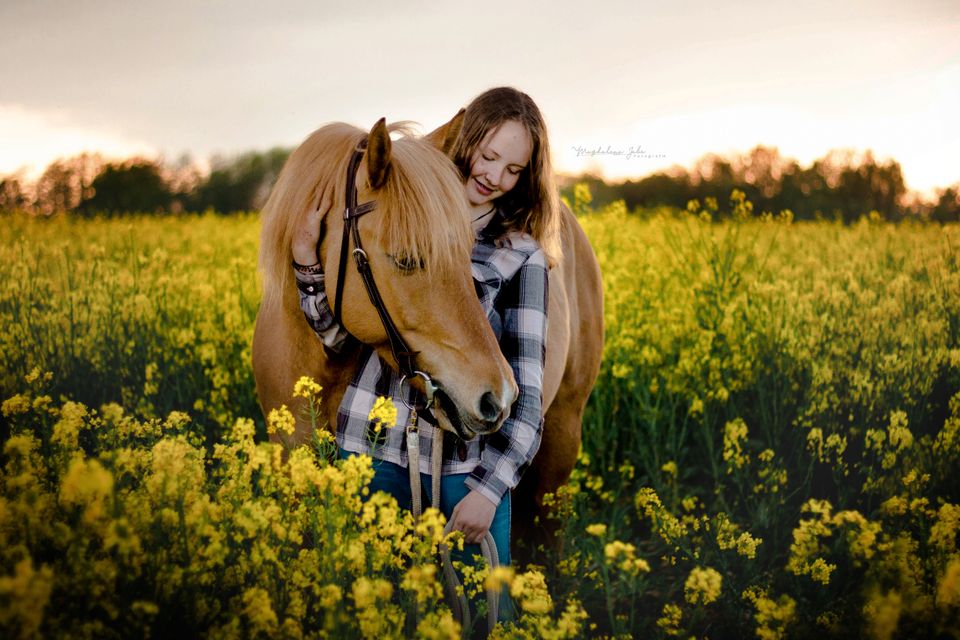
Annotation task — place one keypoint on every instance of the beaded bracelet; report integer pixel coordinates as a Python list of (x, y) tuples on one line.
[(309, 269)]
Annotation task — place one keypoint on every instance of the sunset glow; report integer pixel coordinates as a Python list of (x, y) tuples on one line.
[(626, 90)]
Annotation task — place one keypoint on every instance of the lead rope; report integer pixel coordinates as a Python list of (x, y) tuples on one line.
[(454, 589)]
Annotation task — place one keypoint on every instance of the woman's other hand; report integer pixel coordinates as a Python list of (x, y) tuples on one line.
[(473, 515), (306, 238)]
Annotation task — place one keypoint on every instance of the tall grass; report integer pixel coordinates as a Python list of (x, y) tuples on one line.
[(771, 449)]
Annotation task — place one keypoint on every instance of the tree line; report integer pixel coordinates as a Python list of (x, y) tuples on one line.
[(87, 184), (842, 185)]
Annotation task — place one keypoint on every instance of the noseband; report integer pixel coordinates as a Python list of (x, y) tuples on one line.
[(402, 353)]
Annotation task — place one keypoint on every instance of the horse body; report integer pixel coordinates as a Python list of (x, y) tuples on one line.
[(284, 346), (574, 351)]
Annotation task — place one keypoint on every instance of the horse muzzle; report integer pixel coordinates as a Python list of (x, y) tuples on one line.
[(485, 419)]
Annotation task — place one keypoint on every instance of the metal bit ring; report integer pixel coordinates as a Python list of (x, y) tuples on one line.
[(427, 383)]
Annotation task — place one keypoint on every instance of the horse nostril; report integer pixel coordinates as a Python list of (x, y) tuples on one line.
[(489, 407)]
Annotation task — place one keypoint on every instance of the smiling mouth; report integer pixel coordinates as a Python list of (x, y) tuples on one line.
[(483, 189)]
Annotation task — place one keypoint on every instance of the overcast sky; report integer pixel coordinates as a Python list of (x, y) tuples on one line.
[(673, 80)]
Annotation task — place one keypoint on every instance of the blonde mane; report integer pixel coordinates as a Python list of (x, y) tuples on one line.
[(419, 210)]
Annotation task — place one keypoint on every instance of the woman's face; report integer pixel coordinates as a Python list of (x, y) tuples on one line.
[(503, 153)]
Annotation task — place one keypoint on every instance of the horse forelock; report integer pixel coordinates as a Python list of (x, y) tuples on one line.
[(423, 207)]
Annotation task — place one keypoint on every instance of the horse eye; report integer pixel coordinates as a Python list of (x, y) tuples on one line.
[(407, 263)]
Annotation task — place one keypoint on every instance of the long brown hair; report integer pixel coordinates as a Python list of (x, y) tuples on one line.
[(532, 206)]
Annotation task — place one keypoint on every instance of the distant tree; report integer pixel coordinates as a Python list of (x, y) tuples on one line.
[(183, 178), (947, 207), (790, 189), (242, 183), (66, 183), (713, 175), (132, 186), (761, 168), (868, 186), (671, 189), (12, 196)]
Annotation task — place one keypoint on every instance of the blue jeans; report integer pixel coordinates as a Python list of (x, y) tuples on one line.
[(395, 480)]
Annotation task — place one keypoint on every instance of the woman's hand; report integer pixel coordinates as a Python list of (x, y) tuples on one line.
[(305, 239), (473, 515)]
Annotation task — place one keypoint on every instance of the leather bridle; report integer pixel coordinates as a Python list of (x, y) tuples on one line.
[(402, 353)]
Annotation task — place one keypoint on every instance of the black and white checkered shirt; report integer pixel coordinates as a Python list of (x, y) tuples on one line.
[(510, 272)]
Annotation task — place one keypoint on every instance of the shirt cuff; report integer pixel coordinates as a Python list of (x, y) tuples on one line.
[(488, 485), (309, 283)]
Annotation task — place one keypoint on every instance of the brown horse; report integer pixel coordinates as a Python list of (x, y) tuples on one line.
[(285, 348)]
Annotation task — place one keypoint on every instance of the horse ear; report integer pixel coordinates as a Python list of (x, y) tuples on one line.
[(378, 154), (445, 135)]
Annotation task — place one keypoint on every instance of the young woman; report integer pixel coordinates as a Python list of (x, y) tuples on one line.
[(503, 155)]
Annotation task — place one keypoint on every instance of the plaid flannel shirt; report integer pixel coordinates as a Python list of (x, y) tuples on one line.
[(510, 274)]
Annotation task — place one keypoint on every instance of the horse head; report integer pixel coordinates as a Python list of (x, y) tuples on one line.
[(417, 241)]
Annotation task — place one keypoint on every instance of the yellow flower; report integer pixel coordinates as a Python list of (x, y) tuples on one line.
[(670, 468), (16, 405), (530, 590), (430, 526), (815, 442), (943, 534), (729, 537), (438, 625), (898, 433), (597, 529), (612, 550), (623, 555), (894, 506), (647, 500), (882, 613), (820, 570), (498, 578), (734, 435), (702, 585), (259, 611), (66, 430), (696, 407), (383, 413), (948, 591), (35, 374), (772, 616), (669, 621), (422, 581), (87, 484), (306, 387), (25, 595), (367, 592), (330, 596), (281, 421)]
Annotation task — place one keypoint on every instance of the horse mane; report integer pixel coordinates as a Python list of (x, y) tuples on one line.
[(416, 210)]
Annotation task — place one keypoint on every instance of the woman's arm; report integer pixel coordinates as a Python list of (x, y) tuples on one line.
[(509, 451), (310, 282), (316, 309)]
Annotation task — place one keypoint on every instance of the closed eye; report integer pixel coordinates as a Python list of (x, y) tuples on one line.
[(407, 263)]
